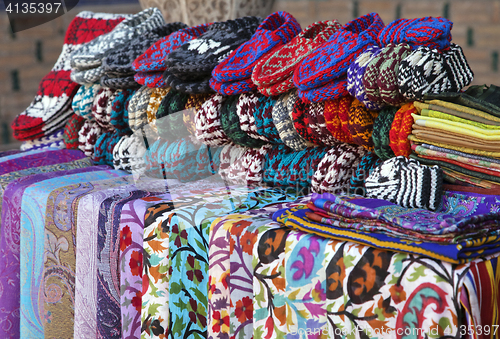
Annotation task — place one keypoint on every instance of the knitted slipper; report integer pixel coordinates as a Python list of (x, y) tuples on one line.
[(91, 54), (119, 111), (263, 119), (387, 80), (276, 30), (459, 71), (299, 121), (88, 136), (137, 108), (360, 125), (201, 86), (233, 88), (332, 118), (333, 90), (154, 58), (169, 116), (123, 82), (100, 108), (84, 99), (119, 62), (150, 79), (403, 144), (53, 140), (56, 89), (201, 55), (284, 125), (381, 127), (355, 75), (253, 161), (230, 123), (154, 103), (74, 124), (247, 104), (208, 124), (332, 59), (278, 67), (429, 75), (341, 159), (193, 104), (87, 76), (372, 73), (318, 124), (434, 33), (385, 181)]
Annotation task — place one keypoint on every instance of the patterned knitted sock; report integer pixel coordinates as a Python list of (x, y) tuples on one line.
[(284, 124), (154, 102), (203, 54), (360, 124), (299, 120), (208, 122), (193, 104), (400, 129), (276, 69), (87, 137), (101, 110), (428, 31), (318, 126), (331, 60), (123, 82), (275, 31), (153, 60), (119, 61), (429, 74), (233, 88), (230, 123), (84, 99), (74, 124), (457, 67), (387, 80), (381, 139), (385, 181), (263, 119), (335, 169), (119, 112), (90, 55), (56, 90), (332, 119), (170, 120), (372, 73), (53, 140), (245, 108), (333, 90), (137, 108)]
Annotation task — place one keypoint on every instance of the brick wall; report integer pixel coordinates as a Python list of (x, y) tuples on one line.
[(28, 55)]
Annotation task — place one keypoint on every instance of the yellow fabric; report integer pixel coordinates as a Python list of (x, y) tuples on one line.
[(464, 109), (448, 117), (464, 149), (457, 128)]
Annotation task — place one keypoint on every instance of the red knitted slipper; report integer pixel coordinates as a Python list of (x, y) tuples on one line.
[(279, 66), (56, 89)]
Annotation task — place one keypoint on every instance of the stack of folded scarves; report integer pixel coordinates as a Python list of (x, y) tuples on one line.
[(461, 134), (465, 227)]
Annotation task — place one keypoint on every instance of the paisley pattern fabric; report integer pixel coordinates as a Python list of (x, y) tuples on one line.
[(10, 245), (33, 209)]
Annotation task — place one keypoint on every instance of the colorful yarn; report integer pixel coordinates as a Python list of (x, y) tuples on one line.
[(332, 119), (193, 104), (208, 123), (263, 118), (282, 119)]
